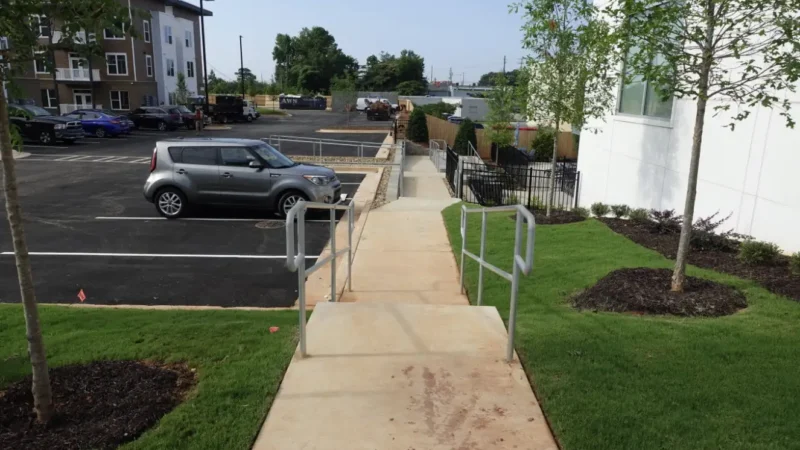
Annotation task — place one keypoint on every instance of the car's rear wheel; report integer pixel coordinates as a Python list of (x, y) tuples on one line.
[(171, 203), (162, 126), (288, 200), (101, 133), (46, 137)]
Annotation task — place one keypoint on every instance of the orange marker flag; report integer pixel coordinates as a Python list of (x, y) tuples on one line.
[(81, 296)]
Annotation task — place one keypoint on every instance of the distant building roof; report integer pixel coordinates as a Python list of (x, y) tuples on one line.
[(189, 7)]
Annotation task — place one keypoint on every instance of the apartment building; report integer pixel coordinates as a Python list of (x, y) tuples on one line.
[(134, 72)]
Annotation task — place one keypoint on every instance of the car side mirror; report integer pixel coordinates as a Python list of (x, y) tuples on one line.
[(255, 165)]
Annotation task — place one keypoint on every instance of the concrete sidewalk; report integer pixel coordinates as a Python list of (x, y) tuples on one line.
[(403, 362)]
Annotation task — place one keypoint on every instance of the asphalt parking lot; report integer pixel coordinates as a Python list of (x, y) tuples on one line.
[(89, 227)]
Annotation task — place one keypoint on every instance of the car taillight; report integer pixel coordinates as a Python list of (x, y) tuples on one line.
[(116, 122), (153, 160)]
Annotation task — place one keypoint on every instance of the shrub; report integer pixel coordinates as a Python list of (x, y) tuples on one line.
[(758, 252), (794, 263), (620, 211), (705, 236), (600, 209), (665, 222), (640, 215), (542, 145), (417, 126), (466, 133), (581, 211), (512, 200)]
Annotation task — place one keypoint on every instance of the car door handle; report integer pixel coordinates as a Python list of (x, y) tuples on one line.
[(181, 172), (227, 175)]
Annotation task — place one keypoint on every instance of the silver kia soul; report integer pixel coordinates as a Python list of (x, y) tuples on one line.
[(232, 172)]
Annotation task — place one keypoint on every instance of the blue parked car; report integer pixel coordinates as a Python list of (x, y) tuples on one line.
[(102, 123)]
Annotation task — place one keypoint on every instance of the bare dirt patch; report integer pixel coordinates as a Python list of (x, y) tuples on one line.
[(647, 291), (99, 405)]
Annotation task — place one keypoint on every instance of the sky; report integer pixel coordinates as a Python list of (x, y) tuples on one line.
[(471, 36)]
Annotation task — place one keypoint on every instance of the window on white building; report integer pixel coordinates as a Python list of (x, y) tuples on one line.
[(146, 30), (39, 65), (170, 67), (117, 63), (188, 39), (148, 63), (172, 98), (639, 98), (49, 98), (168, 34), (190, 69), (43, 24), (119, 100)]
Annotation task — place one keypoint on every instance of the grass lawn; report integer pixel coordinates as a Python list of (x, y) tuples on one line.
[(613, 381), (270, 112), (239, 363)]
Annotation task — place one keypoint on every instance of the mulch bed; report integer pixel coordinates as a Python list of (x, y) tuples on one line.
[(99, 405), (776, 278), (556, 217), (647, 291)]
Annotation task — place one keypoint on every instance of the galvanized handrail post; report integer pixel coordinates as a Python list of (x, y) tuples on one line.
[(301, 278), (350, 226), (483, 254), (463, 243), (333, 252)]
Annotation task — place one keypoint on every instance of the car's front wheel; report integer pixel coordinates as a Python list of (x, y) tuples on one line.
[(46, 137), (162, 126), (249, 117), (288, 200), (101, 133), (171, 203)]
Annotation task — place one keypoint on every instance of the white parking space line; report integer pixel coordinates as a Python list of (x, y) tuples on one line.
[(157, 255), (69, 158), (105, 158), (81, 158), (203, 219), (140, 160), (24, 146), (350, 184)]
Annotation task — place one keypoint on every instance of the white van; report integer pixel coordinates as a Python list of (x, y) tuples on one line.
[(363, 102)]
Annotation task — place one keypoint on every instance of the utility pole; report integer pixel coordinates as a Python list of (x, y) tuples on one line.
[(463, 74), (504, 65), (451, 76), (205, 70), (431, 74), (241, 64)]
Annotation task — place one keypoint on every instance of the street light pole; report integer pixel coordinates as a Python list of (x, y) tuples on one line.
[(241, 64), (205, 65)]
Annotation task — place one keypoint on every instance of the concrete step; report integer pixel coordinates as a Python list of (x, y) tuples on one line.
[(451, 297), (392, 376)]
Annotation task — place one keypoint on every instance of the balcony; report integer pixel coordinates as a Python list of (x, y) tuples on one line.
[(79, 74), (65, 108)]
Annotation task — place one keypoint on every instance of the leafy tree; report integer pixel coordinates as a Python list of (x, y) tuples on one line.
[(417, 126), (501, 101), (181, 91), (542, 145), (389, 72), (283, 54), (488, 79), (68, 18), (464, 136), (412, 88), (572, 66), (249, 77), (438, 110), (310, 61), (740, 53)]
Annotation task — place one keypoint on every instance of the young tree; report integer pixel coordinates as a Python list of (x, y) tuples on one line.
[(743, 53), (465, 136), (23, 37), (181, 91), (572, 74), (417, 126), (501, 101)]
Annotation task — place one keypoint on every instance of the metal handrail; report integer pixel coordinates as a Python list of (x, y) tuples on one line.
[(436, 152), (275, 140), (520, 265), (295, 260), (474, 151)]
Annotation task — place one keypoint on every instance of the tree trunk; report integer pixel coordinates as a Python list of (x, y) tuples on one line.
[(42, 396), (551, 189), (91, 82)]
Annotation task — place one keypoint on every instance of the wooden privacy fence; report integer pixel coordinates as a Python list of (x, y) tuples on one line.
[(442, 129)]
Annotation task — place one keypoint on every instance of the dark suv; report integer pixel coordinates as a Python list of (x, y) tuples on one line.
[(156, 117), (36, 124)]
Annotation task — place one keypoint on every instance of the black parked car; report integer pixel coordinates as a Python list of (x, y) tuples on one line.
[(187, 115), (36, 124), (156, 117)]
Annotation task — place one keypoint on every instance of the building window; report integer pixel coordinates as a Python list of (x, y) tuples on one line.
[(148, 63), (39, 64), (190, 69), (172, 98), (146, 30), (170, 68), (117, 63), (3, 43), (115, 34), (639, 98), (119, 100), (168, 34), (49, 98), (43, 24), (188, 39)]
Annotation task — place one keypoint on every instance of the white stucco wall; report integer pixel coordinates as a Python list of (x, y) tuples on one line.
[(749, 172)]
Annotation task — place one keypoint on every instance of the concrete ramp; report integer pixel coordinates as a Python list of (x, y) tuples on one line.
[(402, 376)]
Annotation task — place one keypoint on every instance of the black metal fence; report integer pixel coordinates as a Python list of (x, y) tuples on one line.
[(495, 186), (451, 168)]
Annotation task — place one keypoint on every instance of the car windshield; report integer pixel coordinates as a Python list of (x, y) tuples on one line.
[(274, 158), (36, 111)]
